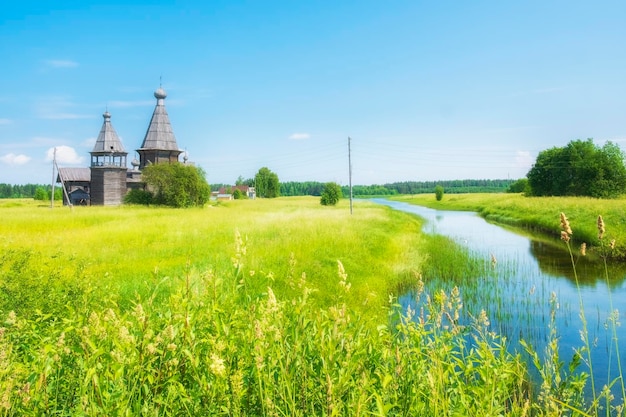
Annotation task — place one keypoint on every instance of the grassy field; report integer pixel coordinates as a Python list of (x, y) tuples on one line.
[(246, 308), (122, 251), (541, 214)]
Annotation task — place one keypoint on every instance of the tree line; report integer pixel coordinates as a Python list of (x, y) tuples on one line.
[(36, 191), (315, 188)]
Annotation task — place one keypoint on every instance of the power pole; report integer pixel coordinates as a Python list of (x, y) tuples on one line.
[(350, 172)]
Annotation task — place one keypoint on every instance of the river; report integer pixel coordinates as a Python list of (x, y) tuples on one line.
[(529, 272)]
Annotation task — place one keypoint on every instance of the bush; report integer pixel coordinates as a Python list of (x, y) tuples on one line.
[(331, 193), (239, 195), (177, 185), (138, 197), (439, 192), (579, 169), (519, 186), (41, 194)]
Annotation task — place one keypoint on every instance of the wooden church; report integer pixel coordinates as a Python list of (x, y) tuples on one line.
[(108, 178)]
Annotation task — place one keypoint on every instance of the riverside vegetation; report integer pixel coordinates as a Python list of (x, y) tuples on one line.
[(247, 308)]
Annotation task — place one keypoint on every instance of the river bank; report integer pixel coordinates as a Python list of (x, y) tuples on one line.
[(542, 214)]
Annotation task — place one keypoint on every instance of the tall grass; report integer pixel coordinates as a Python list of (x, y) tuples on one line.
[(215, 346), (124, 251), (276, 308)]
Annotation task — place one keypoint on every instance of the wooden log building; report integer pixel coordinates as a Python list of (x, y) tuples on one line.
[(108, 178)]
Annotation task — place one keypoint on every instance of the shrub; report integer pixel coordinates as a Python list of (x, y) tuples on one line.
[(239, 195), (138, 197), (438, 192), (331, 193)]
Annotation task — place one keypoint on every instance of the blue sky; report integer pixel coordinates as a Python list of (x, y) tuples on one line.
[(427, 90)]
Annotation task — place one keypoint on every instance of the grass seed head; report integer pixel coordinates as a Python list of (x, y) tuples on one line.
[(601, 229), (583, 249), (565, 224)]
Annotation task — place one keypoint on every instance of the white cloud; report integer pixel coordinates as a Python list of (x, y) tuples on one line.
[(14, 160), (89, 142), (523, 159), (5, 121), (60, 63), (64, 155), (299, 136)]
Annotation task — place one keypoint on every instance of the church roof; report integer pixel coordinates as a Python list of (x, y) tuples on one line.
[(74, 175), (108, 141), (160, 134)]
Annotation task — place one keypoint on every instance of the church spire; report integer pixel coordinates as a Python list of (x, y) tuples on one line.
[(108, 141), (159, 144)]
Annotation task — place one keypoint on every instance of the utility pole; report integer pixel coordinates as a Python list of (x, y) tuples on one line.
[(350, 172)]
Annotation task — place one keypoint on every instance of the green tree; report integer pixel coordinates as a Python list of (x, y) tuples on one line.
[(438, 192), (177, 185), (41, 194), (519, 186), (331, 193), (266, 183), (239, 195), (137, 196), (579, 169)]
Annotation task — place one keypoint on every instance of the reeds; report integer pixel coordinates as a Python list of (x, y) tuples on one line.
[(212, 346), (584, 353)]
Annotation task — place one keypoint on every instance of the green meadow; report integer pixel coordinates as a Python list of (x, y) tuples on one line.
[(278, 307)]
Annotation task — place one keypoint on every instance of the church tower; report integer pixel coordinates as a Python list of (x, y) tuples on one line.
[(159, 144), (108, 167)]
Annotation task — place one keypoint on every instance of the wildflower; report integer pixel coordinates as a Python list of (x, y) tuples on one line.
[(110, 317), (118, 356), (217, 365), (25, 393), (583, 249), (409, 313), (565, 224), (151, 348), (483, 320), (601, 229), (171, 347), (343, 277), (125, 336), (5, 402), (11, 318), (169, 332), (139, 313)]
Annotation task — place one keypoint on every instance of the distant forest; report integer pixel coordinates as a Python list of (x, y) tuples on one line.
[(21, 191), (315, 188), (407, 187)]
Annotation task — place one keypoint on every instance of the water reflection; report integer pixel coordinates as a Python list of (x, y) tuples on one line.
[(530, 270), (555, 261)]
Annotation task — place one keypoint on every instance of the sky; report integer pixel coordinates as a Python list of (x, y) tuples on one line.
[(425, 90)]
